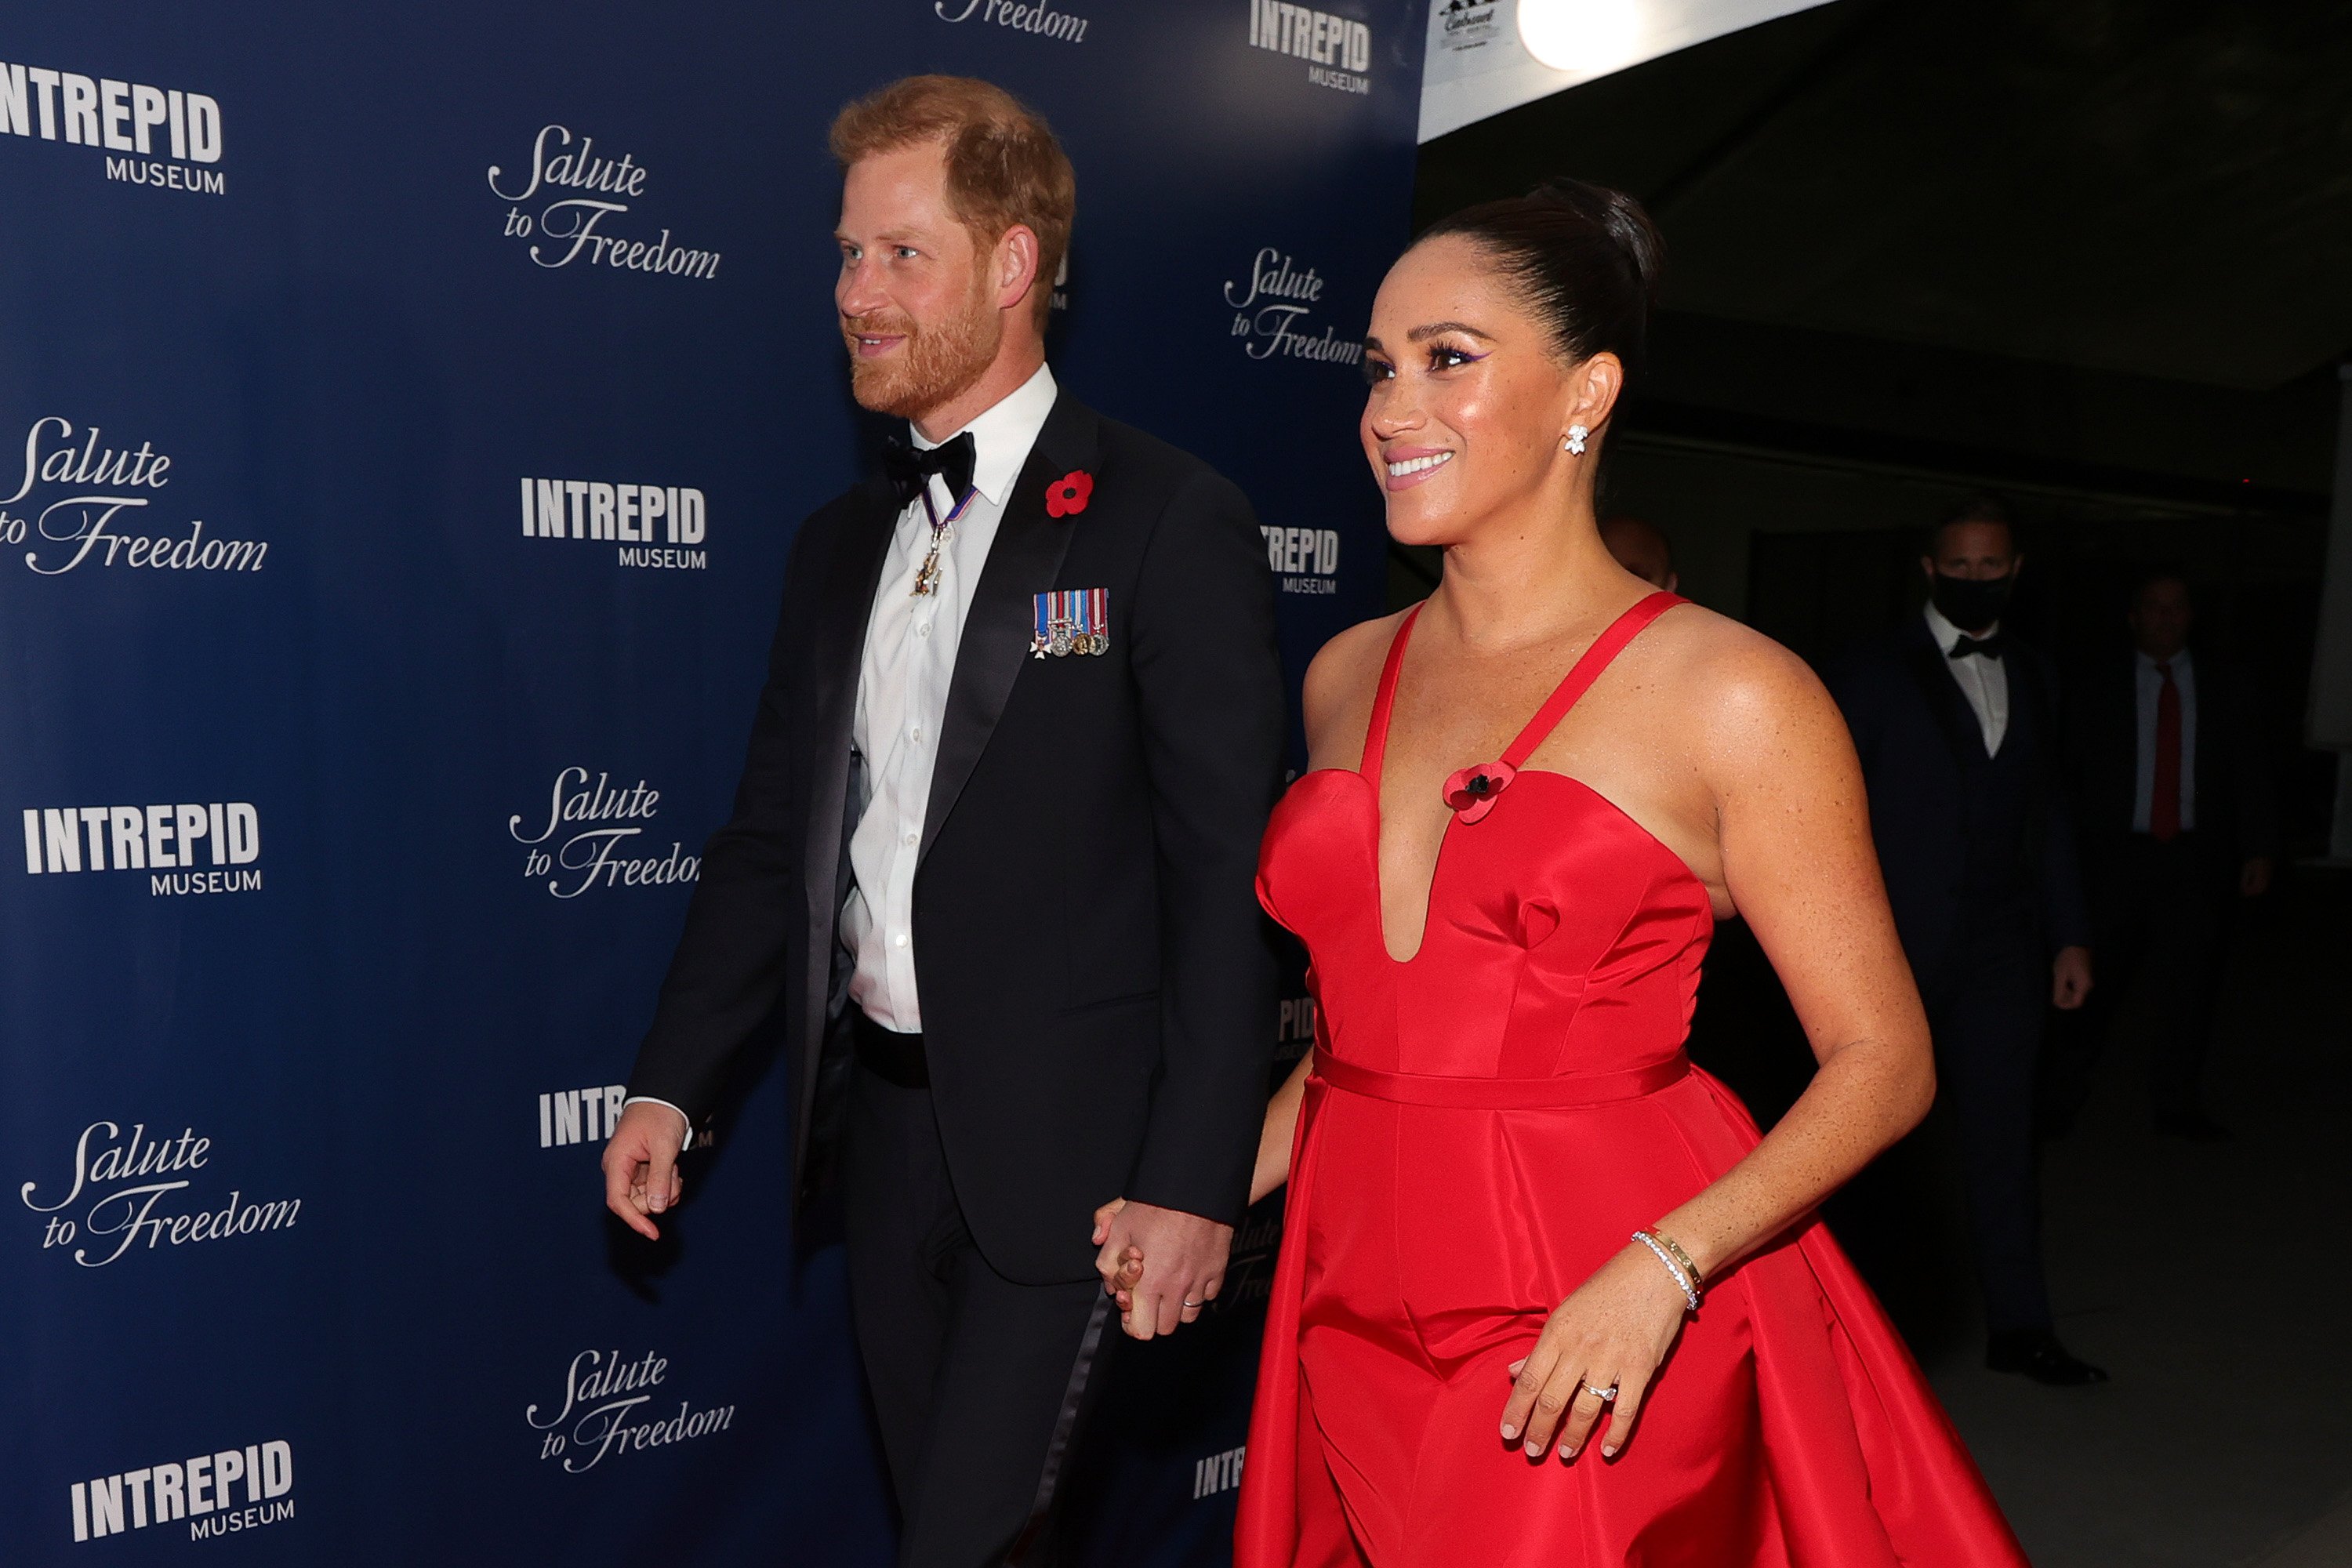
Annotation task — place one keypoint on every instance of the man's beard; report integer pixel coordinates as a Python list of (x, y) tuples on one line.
[(937, 365)]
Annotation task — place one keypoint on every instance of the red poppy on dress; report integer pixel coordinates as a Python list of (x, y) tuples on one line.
[(1067, 496), (1472, 792)]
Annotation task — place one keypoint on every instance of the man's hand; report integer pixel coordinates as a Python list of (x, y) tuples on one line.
[(1119, 1285), (2070, 978), (641, 1175), (1163, 1265), (2254, 877)]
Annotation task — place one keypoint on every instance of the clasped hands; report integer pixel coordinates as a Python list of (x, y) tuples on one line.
[(1161, 1266)]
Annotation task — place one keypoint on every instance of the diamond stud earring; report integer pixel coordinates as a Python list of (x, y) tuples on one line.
[(1575, 442)]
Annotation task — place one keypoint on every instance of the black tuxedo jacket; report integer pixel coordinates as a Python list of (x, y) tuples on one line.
[(2237, 809), (1097, 992), (1920, 744)]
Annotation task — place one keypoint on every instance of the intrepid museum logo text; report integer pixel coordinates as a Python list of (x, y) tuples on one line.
[(167, 137)]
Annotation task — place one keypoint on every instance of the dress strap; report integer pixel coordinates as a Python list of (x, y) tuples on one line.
[(1596, 659), (1376, 737)]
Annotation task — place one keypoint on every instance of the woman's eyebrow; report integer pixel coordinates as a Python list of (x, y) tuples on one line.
[(1422, 334)]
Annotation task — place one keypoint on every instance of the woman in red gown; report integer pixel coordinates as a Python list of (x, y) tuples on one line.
[(1471, 1359)]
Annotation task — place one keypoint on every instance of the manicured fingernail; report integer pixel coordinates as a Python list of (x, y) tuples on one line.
[(1535, 1450), (1607, 1453), (1568, 1451), (1509, 1431)]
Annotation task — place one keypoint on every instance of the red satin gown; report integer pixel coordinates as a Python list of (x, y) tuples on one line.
[(1488, 1121)]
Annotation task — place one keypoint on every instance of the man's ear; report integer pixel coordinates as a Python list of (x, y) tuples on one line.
[(1016, 265)]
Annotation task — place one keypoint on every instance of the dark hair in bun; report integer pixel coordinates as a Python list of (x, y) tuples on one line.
[(1586, 258)]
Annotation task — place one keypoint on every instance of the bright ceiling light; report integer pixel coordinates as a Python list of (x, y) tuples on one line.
[(1589, 38)]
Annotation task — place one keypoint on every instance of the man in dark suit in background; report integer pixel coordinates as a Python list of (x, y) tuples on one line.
[(991, 858), (2179, 827), (1957, 724)]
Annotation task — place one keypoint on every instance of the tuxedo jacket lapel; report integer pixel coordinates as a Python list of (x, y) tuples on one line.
[(838, 649), (1023, 561), (1946, 701)]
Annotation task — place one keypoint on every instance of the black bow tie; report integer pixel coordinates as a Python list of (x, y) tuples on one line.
[(908, 467), (1988, 646)]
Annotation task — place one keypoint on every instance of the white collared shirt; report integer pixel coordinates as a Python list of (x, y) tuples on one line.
[(2147, 684), (1983, 681), (902, 696)]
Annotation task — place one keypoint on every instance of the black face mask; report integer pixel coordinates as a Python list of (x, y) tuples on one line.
[(1971, 604)]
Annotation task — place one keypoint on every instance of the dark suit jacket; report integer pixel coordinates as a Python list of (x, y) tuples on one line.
[(1917, 737), (2236, 807), (1097, 992)]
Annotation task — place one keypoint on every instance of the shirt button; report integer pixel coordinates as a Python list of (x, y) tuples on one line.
[(910, 840), (916, 734), (900, 940), (923, 629)]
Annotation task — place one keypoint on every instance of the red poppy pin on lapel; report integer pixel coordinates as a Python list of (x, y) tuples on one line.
[(1067, 496)]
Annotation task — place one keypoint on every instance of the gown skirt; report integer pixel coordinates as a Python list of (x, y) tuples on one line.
[(1488, 1122)]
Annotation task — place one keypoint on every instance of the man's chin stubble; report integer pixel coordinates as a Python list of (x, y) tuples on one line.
[(878, 391), (903, 392)]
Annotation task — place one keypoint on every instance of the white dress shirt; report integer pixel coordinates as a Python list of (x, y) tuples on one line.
[(2148, 683), (902, 694), (1983, 681)]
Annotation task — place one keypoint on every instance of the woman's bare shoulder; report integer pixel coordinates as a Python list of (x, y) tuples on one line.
[(1342, 675), (1740, 685), (1351, 660)]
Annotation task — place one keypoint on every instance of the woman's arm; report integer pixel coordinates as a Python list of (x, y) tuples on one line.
[(1794, 821), (1275, 1139), (1793, 827), (1336, 706)]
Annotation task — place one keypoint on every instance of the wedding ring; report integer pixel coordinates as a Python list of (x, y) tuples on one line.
[(1192, 1303), (1603, 1395)]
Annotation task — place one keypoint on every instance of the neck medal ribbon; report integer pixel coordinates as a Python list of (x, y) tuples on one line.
[(927, 576)]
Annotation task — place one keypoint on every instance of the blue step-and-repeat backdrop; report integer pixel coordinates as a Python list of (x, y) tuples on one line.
[(358, 818)]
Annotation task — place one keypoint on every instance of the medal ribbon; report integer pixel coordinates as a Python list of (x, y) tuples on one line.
[(926, 575), (1079, 616), (955, 513)]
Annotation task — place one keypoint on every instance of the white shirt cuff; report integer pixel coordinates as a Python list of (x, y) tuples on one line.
[(685, 1143)]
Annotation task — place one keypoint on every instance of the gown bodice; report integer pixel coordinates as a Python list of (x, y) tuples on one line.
[(1563, 938)]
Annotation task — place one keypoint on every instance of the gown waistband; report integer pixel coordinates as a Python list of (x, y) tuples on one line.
[(1500, 1093)]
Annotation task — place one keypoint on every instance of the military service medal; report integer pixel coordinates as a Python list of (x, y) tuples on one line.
[(927, 576), (1073, 620)]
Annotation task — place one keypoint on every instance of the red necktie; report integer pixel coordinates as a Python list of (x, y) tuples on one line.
[(2164, 800)]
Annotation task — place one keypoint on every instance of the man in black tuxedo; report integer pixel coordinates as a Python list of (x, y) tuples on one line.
[(990, 861), (1957, 724), (2180, 827)]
